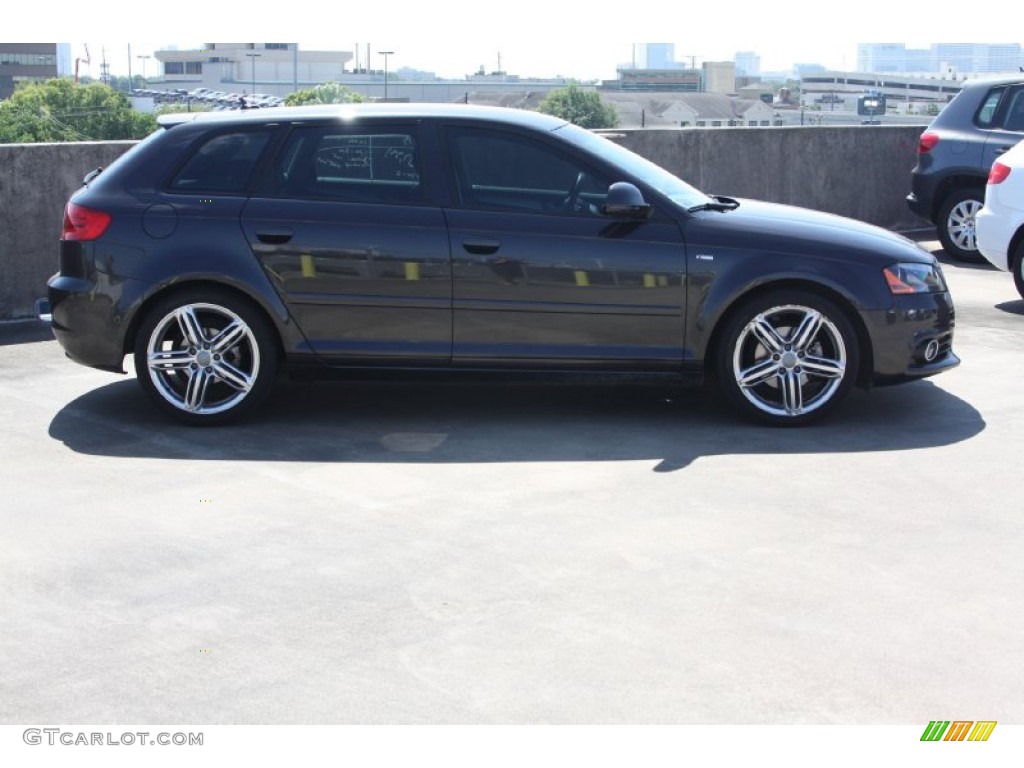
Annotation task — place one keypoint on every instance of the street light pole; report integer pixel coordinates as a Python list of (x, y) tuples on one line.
[(253, 57), (385, 54), (143, 68)]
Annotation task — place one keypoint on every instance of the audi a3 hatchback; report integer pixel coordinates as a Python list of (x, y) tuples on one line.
[(225, 248)]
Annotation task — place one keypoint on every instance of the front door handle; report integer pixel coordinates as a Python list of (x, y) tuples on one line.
[(482, 246), (274, 235)]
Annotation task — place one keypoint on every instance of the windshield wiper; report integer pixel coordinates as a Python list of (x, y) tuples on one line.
[(92, 175), (719, 203)]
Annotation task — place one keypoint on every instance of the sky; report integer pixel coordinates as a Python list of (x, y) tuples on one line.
[(537, 38)]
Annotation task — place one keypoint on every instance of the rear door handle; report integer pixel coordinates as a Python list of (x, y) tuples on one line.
[(1000, 150), (482, 246), (274, 235)]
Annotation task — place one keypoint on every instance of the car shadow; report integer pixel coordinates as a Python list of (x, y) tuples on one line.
[(1012, 307), (947, 260), (399, 422), (24, 332), (928, 238)]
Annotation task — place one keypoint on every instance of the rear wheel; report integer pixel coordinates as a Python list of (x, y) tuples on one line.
[(1017, 262), (205, 356), (787, 357), (956, 226)]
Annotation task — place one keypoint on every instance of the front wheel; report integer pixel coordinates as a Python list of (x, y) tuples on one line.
[(956, 225), (787, 358), (205, 356)]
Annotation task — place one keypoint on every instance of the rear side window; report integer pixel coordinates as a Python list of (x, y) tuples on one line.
[(223, 163), (371, 165), (987, 111), (1013, 119)]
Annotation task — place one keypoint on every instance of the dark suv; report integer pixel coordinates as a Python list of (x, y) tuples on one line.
[(447, 237), (955, 154)]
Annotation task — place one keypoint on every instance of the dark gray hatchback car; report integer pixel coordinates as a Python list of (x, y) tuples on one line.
[(955, 154), (446, 237)]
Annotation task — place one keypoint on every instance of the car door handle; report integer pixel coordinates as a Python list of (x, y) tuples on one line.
[(274, 235), (482, 246), (1000, 150)]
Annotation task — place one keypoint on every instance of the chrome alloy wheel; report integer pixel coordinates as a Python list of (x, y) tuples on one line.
[(202, 358), (789, 360), (960, 224)]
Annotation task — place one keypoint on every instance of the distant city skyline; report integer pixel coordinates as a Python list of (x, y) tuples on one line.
[(510, 59), (534, 39)]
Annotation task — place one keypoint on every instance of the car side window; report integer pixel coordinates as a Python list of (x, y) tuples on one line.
[(985, 118), (508, 172), (222, 163), (1013, 119), (370, 165)]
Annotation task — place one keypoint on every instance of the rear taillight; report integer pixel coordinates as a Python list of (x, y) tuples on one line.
[(998, 173), (927, 143), (81, 223)]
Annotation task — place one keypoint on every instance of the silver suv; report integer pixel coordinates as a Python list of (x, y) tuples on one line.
[(955, 153)]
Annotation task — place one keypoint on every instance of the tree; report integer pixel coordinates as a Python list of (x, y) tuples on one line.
[(120, 83), (325, 93), (62, 110), (584, 108), (195, 106)]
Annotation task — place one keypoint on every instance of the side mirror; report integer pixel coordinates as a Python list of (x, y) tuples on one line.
[(625, 201)]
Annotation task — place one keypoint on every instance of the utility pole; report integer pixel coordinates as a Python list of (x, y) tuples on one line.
[(253, 57), (385, 54)]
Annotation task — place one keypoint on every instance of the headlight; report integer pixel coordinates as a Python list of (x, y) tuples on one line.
[(914, 278)]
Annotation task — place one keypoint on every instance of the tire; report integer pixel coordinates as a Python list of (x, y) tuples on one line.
[(1017, 266), (955, 224), (787, 358), (205, 356)]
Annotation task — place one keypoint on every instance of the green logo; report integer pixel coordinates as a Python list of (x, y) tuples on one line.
[(958, 730)]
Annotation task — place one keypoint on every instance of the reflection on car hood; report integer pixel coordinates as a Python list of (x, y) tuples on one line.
[(789, 228)]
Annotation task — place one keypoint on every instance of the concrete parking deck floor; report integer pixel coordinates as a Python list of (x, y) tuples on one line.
[(490, 553)]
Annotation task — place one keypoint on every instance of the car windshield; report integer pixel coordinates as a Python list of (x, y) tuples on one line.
[(674, 188)]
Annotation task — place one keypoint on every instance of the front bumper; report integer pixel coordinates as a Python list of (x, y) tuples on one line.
[(913, 339)]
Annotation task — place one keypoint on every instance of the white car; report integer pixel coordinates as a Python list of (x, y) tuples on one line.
[(999, 225)]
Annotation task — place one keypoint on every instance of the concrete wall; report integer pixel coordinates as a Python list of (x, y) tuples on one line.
[(35, 182), (862, 172), (858, 171)]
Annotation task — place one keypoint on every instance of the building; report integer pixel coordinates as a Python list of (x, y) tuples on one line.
[(28, 63), (719, 76), (276, 68), (65, 65), (688, 110), (655, 80), (281, 68), (748, 64), (956, 59), (657, 56), (894, 87), (885, 57), (713, 76), (808, 68), (966, 59)]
